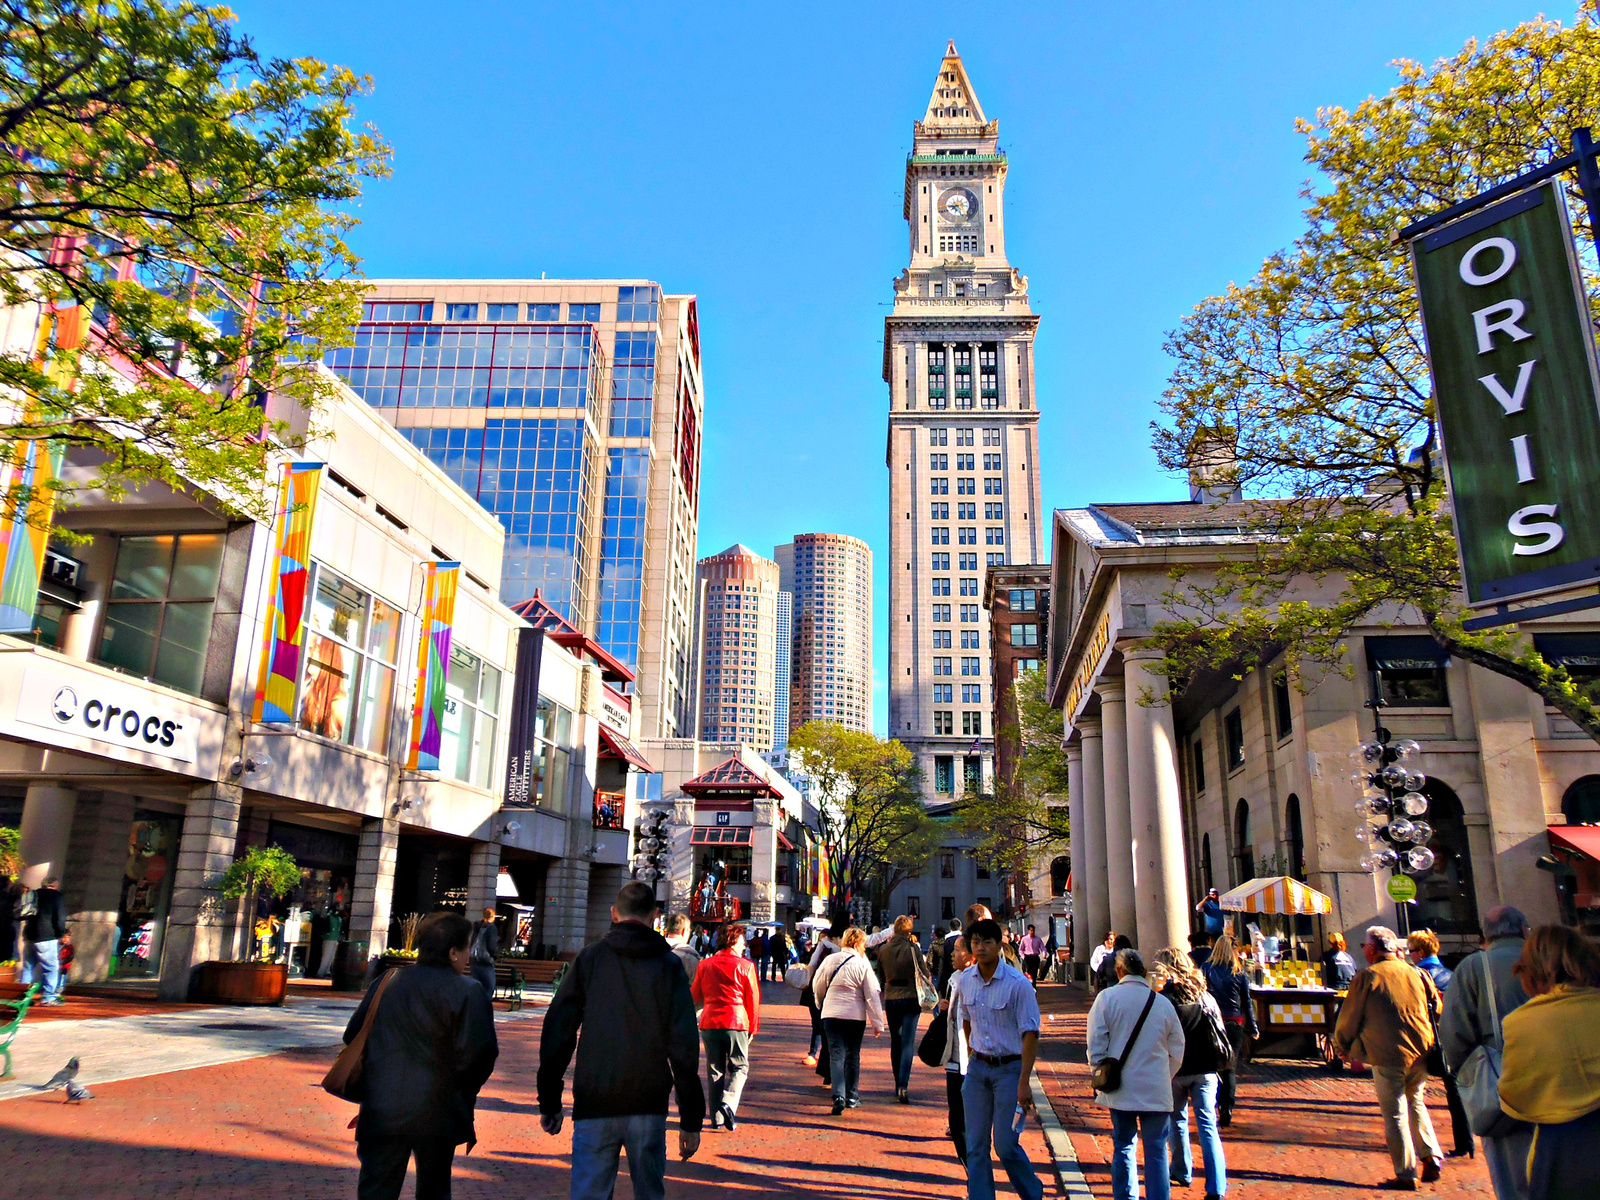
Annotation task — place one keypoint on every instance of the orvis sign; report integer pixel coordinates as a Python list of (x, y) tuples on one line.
[(1514, 381), (123, 717)]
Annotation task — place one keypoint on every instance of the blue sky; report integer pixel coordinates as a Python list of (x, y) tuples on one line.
[(753, 155)]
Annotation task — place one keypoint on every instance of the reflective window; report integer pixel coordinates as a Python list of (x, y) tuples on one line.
[(583, 312), (352, 644), (638, 303), (503, 312), (544, 312), (158, 615), (471, 718), (460, 312)]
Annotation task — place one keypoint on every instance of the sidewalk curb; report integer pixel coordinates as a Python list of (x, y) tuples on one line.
[(1065, 1157)]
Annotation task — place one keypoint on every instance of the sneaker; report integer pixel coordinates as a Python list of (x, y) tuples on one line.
[(838, 1107), (810, 1060), (716, 1119), (902, 1095), (1431, 1170), (728, 1118), (1398, 1185), (854, 1102)]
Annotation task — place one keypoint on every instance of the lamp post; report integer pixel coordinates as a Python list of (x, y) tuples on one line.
[(1391, 806)]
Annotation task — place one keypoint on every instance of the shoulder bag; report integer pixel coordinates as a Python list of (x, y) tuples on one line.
[(1478, 1077), (1106, 1075), (927, 994), (344, 1077), (1217, 1031)]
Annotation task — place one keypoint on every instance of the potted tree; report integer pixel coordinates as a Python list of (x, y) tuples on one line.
[(406, 954), (255, 979)]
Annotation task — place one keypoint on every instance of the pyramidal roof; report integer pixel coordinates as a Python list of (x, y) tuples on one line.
[(954, 104), (738, 550)]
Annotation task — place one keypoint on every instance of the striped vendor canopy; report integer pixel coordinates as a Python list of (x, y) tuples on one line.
[(1280, 895)]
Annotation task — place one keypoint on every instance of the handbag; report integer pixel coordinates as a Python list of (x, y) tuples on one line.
[(1478, 1077), (931, 1049), (1221, 1044), (798, 976), (927, 994), (344, 1077), (1106, 1075)]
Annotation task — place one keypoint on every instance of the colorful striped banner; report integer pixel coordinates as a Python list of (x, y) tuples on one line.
[(433, 665), (283, 642)]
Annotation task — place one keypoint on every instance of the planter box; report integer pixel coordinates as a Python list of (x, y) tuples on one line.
[(386, 961), (243, 983)]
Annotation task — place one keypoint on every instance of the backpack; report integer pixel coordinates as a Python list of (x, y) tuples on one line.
[(27, 904), (480, 955)]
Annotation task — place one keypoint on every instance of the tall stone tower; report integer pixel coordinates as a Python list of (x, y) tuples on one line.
[(963, 445)]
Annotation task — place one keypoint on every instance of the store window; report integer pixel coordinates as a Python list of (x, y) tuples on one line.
[(1410, 671), (471, 718), (348, 691), (158, 616), (552, 730)]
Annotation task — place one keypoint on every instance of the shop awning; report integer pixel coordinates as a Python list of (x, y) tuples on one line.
[(720, 835), (1280, 895), (614, 745), (1405, 653), (1579, 839), (784, 842), (1580, 650)]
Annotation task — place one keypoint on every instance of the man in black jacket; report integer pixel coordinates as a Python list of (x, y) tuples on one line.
[(432, 1047), (41, 935), (631, 998)]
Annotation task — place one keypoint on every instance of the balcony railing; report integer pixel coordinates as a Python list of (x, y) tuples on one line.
[(952, 160)]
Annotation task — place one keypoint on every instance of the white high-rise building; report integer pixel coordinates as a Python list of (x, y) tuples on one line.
[(963, 444), (738, 647), (830, 578)]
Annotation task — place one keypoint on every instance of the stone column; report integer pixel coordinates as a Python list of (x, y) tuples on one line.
[(483, 874), (197, 923), (372, 902), (46, 831), (1078, 849), (100, 830), (1091, 849), (1119, 818), (566, 905), (1160, 889)]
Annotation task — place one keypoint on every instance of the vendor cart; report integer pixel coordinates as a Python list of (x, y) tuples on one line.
[(1295, 1012)]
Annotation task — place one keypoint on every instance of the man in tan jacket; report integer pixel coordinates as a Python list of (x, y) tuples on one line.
[(1387, 1022)]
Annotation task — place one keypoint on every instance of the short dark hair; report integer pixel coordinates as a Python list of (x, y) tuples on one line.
[(438, 934), (987, 929), (636, 901), (728, 936)]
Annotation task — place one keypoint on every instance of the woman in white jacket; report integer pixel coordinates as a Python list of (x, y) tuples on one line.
[(846, 990)]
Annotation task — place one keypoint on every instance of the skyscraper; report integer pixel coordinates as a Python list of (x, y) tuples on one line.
[(739, 647), (830, 578), (963, 445), (783, 673), (572, 410)]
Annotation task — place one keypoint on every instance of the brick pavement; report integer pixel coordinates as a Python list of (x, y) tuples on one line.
[(264, 1127), (1299, 1132)]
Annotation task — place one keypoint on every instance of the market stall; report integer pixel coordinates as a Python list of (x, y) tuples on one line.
[(1295, 1011)]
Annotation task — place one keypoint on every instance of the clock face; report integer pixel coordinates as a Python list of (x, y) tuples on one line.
[(959, 205)]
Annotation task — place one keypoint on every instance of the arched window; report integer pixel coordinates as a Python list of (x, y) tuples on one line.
[(1244, 850), (1581, 803), (1446, 900), (1060, 875), (1296, 837), (1207, 878)]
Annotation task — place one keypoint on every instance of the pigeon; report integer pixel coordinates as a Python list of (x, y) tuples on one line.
[(76, 1091), (63, 1077)]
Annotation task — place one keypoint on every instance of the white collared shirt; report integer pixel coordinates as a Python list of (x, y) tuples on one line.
[(999, 1011)]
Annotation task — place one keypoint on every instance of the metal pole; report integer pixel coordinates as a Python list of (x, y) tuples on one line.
[(1584, 149)]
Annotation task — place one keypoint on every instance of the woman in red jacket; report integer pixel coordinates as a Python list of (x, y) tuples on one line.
[(728, 994)]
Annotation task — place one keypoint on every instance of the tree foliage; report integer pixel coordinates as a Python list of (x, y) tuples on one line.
[(176, 205), (10, 852), (869, 800), (259, 871), (1309, 384), (1018, 820)]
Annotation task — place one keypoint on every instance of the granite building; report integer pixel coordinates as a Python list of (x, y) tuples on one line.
[(829, 576), (738, 648)]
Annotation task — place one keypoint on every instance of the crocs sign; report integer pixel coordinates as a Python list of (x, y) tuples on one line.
[(104, 711)]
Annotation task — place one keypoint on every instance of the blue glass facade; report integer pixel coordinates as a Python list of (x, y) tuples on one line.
[(622, 553), (633, 383), (470, 366)]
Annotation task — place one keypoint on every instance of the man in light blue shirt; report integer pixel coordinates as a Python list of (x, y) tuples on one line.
[(1000, 1015)]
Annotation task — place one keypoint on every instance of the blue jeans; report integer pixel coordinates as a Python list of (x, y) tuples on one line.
[(1151, 1128), (989, 1097), (903, 1016), (46, 957), (1202, 1091), (596, 1143)]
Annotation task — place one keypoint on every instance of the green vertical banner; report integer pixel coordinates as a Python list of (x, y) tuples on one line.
[(1515, 385)]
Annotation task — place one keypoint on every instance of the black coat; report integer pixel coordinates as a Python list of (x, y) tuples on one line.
[(50, 921), (630, 997), (431, 1049)]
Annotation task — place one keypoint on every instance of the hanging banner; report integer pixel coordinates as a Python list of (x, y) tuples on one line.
[(433, 665), (283, 638), (1512, 354), (523, 754)]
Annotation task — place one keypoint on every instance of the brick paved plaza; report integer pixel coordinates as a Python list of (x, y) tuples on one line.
[(262, 1127)]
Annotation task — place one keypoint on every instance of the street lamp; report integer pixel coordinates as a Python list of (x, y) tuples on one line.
[(1391, 802)]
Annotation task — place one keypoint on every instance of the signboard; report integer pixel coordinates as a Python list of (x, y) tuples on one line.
[(1514, 377), (113, 714), (1402, 888), (1089, 663), (723, 818)]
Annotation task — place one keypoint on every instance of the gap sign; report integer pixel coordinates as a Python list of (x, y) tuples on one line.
[(1514, 381)]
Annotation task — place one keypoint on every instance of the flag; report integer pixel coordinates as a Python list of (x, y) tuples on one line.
[(283, 639), (433, 665)]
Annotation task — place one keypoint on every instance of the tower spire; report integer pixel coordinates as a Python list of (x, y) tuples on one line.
[(954, 104)]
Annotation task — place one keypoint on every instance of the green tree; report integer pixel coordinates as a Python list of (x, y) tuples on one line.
[(1309, 384), (10, 852), (191, 197), (869, 803), (1017, 821), (259, 871)]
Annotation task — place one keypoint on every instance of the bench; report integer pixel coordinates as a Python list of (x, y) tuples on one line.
[(8, 1031), (508, 982), (544, 971)]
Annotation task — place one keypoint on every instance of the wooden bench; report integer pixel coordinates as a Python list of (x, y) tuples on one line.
[(544, 970), (508, 982), (8, 1031)]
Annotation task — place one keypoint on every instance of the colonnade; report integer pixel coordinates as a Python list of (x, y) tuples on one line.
[(1126, 809)]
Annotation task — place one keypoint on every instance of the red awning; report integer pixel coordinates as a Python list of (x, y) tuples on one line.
[(1584, 839), (784, 842), (614, 745)]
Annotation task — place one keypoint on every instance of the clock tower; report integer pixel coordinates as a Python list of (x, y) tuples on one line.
[(963, 437)]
